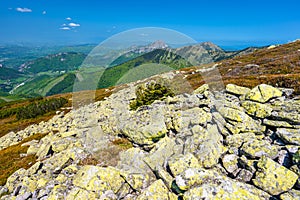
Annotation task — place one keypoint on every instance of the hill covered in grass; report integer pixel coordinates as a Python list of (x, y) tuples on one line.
[(278, 66), (166, 58), (57, 62)]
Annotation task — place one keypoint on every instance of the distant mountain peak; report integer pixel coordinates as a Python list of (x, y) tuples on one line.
[(159, 44)]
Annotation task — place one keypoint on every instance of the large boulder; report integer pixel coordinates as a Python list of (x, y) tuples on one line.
[(237, 90), (263, 93), (209, 184), (258, 148), (146, 126), (273, 178), (257, 109), (180, 163), (99, 179), (211, 149), (157, 190)]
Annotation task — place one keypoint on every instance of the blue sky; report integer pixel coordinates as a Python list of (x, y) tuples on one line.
[(91, 21)]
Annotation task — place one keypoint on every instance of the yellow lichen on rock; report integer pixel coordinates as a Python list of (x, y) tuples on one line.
[(157, 191), (263, 93), (272, 177)]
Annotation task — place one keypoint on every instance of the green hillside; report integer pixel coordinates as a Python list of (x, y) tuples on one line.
[(125, 58), (56, 62), (65, 85), (8, 73), (112, 75)]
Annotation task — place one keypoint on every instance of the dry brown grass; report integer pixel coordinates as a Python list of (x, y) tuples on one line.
[(108, 156), (10, 160)]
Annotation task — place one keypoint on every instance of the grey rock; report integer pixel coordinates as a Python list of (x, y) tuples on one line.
[(244, 175), (290, 136), (284, 158), (17, 190), (25, 196)]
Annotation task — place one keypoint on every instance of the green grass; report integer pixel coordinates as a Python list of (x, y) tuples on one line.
[(143, 71), (57, 62), (50, 85), (113, 75), (62, 85)]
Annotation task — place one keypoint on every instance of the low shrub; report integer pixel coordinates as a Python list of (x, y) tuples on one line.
[(40, 108), (147, 93)]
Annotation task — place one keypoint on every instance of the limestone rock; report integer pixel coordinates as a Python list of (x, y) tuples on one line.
[(244, 175), (195, 176), (237, 90), (225, 190), (79, 194), (230, 162), (209, 144), (208, 184), (276, 123), (257, 109), (132, 161), (238, 139), (292, 117), (239, 121), (200, 90), (165, 176), (14, 179), (182, 162), (247, 164), (233, 114), (273, 178), (98, 179), (263, 93), (258, 148), (290, 136), (290, 195), (137, 181), (145, 127), (163, 149), (157, 190), (284, 158), (183, 120), (211, 149)]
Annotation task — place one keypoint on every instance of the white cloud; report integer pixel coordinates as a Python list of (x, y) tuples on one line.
[(44, 12), (23, 10), (65, 28), (73, 24), (64, 25), (69, 18)]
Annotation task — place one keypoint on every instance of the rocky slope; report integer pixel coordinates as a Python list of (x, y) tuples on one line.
[(239, 143)]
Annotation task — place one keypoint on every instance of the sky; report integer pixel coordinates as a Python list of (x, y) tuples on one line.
[(92, 21)]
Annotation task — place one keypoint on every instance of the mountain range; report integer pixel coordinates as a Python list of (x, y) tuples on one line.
[(55, 73)]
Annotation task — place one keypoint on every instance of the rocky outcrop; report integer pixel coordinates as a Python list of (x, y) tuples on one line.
[(239, 143)]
